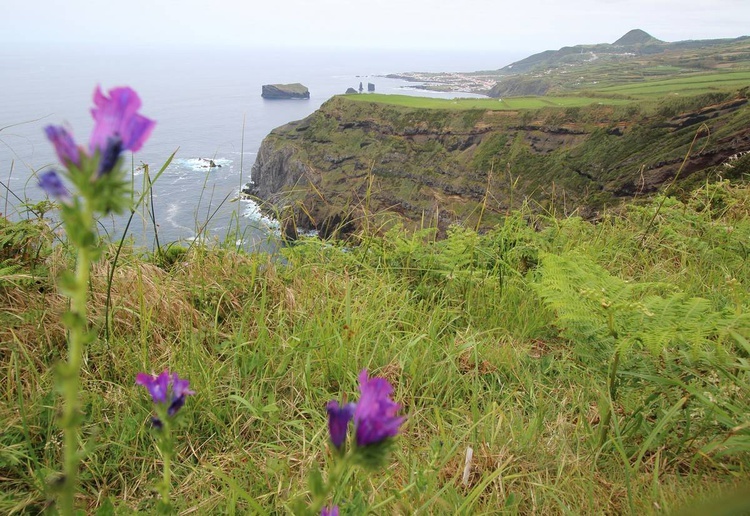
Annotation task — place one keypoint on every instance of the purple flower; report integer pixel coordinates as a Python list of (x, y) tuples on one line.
[(51, 183), (375, 415), (116, 117), (110, 156), (157, 385), (159, 388), (180, 390), (65, 146), (117, 127), (333, 511), (338, 421)]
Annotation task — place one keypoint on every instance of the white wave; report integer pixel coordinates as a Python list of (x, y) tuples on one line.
[(203, 164), (173, 211), (252, 212)]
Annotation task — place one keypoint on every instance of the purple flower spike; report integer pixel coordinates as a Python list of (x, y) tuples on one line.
[(165, 388), (110, 155), (116, 116), (375, 416), (157, 386), (338, 421), (65, 146), (51, 183), (180, 390), (333, 511)]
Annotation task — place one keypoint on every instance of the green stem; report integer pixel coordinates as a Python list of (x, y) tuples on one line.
[(341, 464), (612, 385), (167, 479), (70, 381), (166, 447)]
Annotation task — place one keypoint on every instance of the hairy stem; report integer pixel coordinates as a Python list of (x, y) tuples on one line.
[(70, 379)]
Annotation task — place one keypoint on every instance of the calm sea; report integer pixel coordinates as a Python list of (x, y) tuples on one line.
[(207, 104)]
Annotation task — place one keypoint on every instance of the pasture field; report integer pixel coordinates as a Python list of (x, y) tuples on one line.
[(510, 104), (683, 85), (623, 90)]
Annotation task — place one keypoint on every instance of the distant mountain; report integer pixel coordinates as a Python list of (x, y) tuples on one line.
[(636, 42), (636, 37), (633, 57)]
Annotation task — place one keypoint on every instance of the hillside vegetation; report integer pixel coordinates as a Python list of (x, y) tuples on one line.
[(635, 58), (592, 368), (470, 161)]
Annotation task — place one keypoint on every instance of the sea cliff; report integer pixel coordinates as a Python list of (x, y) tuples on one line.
[(352, 159)]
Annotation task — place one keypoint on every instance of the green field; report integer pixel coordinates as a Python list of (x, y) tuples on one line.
[(684, 85), (645, 90), (514, 103)]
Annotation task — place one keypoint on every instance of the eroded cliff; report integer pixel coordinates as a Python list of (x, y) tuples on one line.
[(438, 167)]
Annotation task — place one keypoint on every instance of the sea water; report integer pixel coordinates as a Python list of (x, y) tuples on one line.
[(207, 105)]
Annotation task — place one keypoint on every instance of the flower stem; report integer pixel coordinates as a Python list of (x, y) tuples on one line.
[(166, 448), (341, 464), (70, 378), (167, 479)]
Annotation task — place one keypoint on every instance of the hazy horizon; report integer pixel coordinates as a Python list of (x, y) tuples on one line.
[(435, 25)]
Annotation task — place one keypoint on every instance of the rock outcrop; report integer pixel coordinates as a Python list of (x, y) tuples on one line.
[(285, 91), (352, 159)]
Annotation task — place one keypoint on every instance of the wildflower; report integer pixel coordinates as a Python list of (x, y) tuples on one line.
[(333, 511), (110, 156), (51, 183), (116, 116), (180, 389), (338, 421), (117, 127), (159, 388), (65, 146), (375, 415)]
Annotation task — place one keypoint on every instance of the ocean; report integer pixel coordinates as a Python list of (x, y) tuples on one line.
[(207, 105)]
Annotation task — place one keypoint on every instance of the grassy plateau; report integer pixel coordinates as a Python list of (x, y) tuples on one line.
[(486, 104)]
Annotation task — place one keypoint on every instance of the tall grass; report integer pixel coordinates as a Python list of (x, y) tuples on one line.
[(477, 354)]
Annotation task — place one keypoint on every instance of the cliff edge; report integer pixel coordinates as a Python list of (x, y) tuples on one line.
[(352, 159)]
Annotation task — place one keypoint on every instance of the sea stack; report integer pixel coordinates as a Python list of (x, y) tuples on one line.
[(285, 91)]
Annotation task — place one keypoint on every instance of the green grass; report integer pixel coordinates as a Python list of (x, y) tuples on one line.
[(513, 103), (694, 84), (477, 354)]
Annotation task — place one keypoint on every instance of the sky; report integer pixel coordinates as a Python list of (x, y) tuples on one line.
[(378, 24)]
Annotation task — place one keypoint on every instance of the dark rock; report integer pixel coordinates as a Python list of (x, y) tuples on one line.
[(285, 91), (289, 229), (370, 87), (336, 226), (349, 91), (208, 163)]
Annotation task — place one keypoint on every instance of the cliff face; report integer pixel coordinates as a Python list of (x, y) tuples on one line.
[(350, 159)]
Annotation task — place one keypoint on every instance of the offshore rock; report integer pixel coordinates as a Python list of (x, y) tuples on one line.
[(285, 91)]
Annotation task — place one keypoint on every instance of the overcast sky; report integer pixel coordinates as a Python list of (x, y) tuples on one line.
[(409, 24)]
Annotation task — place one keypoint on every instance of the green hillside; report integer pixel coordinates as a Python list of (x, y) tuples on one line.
[(591, 368)]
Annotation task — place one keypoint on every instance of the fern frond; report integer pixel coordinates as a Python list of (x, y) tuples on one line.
[(593, 306)]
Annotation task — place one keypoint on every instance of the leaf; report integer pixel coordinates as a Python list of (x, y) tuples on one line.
[(315, 483)]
